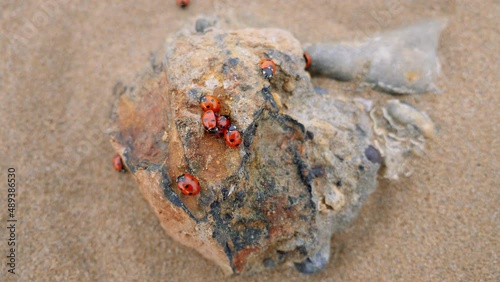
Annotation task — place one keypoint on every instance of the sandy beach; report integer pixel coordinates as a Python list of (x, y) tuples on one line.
[(79, 220)]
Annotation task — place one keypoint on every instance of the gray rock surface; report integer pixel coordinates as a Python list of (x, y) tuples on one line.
[(403, 61)]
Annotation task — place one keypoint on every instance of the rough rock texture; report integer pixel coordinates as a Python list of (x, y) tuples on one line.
[(400, 133), (300, 175), (403, 61)]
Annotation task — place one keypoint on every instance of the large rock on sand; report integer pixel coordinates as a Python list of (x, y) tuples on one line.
[(300, 174)]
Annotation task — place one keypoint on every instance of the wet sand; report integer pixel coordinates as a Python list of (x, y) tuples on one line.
[(80, 220)]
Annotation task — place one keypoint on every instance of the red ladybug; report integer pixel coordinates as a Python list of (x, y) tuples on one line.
[(268, 68), (182, 3), (209, 102), (188, 184), (308, 60), (232, 136), (223, 123), (209, 121), (118, 163)]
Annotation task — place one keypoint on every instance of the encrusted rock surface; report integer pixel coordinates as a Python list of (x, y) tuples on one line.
[(300, 175)]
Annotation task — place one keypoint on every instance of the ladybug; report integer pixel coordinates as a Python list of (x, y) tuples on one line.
[(182, 3), (223, 123), (209, 102), (308, 60), (232, 136), (268, 68), (188, 184), (209, 122), (118, 163)]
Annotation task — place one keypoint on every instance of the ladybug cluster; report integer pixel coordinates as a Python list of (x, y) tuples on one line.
[(214, 123), (217, 124)]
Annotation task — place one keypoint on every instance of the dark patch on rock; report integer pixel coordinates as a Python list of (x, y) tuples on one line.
[(249, 236), (309, 135), (250, 133), (206, 198), (304, 173), (245, 87), (292, 201), (233, 62), (360, 130), (318, 171), (194, 94), (312, 264), (373, 155), (269, 263), (119, 89), (225, 193), (320, 91), (281, 255), (266, 92)]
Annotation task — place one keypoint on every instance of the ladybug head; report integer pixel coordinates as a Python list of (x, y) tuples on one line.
[(267, 72)]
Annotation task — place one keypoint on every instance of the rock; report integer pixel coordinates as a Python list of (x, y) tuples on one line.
[(373, 155), (202, 25), (300, 175), (316, 262), (401, 131), (409, 117), (403, 61)]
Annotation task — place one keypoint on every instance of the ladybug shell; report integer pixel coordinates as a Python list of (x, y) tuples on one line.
[(268, 68), (117, 163), (209, 102), (223, 123), (308, 60), (188, 184), (209, 121), (182, 3), (232, 137)]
